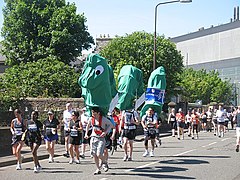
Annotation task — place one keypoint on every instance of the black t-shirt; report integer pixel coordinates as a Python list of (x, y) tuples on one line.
[(34, 126), (50, 125)]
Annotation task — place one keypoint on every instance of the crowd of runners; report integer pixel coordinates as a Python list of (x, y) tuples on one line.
[(103, 134)]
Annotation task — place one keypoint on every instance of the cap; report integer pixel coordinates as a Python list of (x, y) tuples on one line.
[(50, 112), (180, 110)]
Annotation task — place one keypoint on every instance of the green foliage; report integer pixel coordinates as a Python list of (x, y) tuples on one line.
[(35, 29), (205, 86), (137, 49), (44, 78)]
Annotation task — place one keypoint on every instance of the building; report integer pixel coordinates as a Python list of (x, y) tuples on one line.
[(215, 48)]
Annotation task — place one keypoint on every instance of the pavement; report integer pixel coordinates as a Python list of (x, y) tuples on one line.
[(43, 154)]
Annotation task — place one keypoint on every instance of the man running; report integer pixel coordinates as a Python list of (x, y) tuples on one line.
[(149, 122)]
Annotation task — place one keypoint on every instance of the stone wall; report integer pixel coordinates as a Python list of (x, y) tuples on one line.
[(42, 105)]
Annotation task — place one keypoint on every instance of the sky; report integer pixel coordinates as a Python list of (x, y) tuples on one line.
[(121, 17)]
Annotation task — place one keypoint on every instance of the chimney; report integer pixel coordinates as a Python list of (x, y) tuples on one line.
[(237, 16), (234, 15)]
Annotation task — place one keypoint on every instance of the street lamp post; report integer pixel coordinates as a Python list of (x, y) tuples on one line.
[(155, 26)]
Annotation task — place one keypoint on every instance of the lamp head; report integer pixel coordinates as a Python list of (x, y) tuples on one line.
[(185, 1)]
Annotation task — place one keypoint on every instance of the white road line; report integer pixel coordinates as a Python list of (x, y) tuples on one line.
[(155, 162), (225, 139), (209, 144), (184, 152)]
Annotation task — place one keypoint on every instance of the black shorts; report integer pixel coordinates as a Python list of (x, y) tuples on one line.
[(108, 141), (150, 134), (173, 124), (130, 134), (75, 140), (33, 139)]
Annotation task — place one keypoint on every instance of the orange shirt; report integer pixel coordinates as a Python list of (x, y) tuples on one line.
[(180, 117), (195, 119)]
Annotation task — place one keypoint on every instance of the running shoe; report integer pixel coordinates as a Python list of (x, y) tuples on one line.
[(82, 156), (129, 159), (19, 167), (145, 154), (151, 154), (66, 154), (125, 158), (50, 160), (237, 148), (35, 170), (39, 167), (71, 161), (97, 172), (105, 167), (77, 161)]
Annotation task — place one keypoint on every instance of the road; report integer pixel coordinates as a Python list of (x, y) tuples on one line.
[(208, 157)]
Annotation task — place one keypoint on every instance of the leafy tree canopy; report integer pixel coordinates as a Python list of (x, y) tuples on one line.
[(137, 49), (36, 29), (205, 86), (44, 78)]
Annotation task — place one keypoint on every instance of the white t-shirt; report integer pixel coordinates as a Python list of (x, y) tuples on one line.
[(220, 115), (67, 115)]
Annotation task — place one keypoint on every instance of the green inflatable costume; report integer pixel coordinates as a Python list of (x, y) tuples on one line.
[(155, 92), (130, 85), (97, 83)]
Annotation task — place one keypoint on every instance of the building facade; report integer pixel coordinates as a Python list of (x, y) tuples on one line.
[(216, 48)]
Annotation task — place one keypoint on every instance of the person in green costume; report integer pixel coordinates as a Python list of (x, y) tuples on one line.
[(130, 85), (155, 92), (97, 83)]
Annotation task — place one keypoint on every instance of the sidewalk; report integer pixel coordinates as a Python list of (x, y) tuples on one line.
[(42, 152)]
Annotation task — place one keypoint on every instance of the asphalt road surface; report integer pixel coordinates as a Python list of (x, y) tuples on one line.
[(208, 157)]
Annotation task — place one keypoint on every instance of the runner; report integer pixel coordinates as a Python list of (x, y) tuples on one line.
[(195, 123), (214, 122), (50, 126), (129, 121), (75, 131), (17, 128), (220, 121), (109, 140), (85, 142), (34, 138), (188, 120), (66, 119), (149, 122), (209, 119), (180, 123), (172, 121), (237, 121), (101, 126)]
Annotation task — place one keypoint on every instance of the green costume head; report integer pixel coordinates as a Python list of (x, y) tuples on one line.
[(130, 85), (155, 92), (96, 81)]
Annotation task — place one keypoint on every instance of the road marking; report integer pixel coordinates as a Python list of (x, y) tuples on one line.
[(155, 162), (209, 144), (225, 139), (184, 152)]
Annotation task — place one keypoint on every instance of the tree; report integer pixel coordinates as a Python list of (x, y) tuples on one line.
[(205, 86), (137, 49), (35, 29), (44, 78)]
